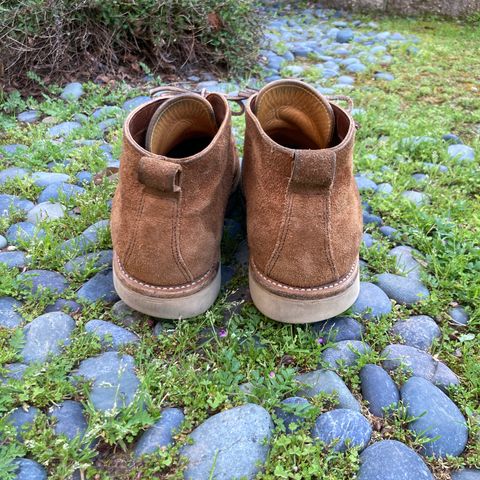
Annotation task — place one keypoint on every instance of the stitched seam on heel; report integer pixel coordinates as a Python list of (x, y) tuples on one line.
[(135, 229), (176, 242)]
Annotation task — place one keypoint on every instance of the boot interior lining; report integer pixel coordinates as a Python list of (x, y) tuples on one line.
[(187, 146), (291, 135)]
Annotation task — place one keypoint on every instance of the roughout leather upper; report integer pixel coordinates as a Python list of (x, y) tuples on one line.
[(167, 214), (304, 217)]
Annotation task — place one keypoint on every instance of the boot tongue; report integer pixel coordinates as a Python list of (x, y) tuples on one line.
[(181, 126), (295, 115)]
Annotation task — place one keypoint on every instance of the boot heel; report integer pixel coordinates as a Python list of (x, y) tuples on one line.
[(294, 310)]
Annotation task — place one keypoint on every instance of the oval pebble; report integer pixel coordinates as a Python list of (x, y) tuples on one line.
[(372, 302), (392, 460), (342, 429), (231, 444), (418, 331), (379, 390), (404, 290), (160, 434), (436, 416)]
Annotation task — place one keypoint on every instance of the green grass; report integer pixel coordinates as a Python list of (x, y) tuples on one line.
[(190, 365)]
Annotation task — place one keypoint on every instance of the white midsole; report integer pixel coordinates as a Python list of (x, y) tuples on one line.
[(170, 308), (293, 310)]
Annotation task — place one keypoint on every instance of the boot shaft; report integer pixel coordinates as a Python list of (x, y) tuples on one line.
[(167, 213), (303, 207)]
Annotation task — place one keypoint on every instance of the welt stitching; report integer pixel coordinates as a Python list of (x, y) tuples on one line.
[(309, 289), (155, 287)]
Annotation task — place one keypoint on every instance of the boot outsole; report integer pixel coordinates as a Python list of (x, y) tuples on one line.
[(294, 310), (170, 308)]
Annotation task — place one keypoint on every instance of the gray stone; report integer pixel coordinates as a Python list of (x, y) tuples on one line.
[(292, 412), (69, 419), (24, 232), (36, 281), (384, 189), (452, 139), (344, 353), (436, 416), (84, 177), (114, 382), (406, 262), (417, 198), (125, 315), (371, 219), (344, 36), (13, 148), (435, 166), (160, 435), (14, 371), (60, 191), (46, 336), (46, 211), (87, 239), (419, 363), (12, 203), (63, 305), (466, 474), (29, 470), (389, 232), (420, 177), (458, 315), (99, 287), (22, 419), (338, 329), (44, 179), (342, 429), (392, 460), (461, 153), (80, 264), (13, 259), (372, 302), (404, 290), (356, 68), (379, 390), (367, 240), (328, 382), (364, 183), (231, 444), (386, 77), (63, 129), (29, 116), (12, 173), (418, 331), (112, 336), (129, 105), (3, 242), (9, 316), (107, 111), (72, 91)]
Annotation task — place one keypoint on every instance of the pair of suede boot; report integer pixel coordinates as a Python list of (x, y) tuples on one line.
[(304, 224)]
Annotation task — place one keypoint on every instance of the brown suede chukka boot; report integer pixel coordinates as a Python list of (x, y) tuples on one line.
[(304, 216), (177, 169)]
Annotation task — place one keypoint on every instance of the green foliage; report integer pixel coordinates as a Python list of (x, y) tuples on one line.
[(42, 41)]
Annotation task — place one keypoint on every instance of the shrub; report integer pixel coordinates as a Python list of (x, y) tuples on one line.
[(58, 38)]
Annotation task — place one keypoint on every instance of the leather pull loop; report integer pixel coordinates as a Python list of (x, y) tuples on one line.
[(159, 174), (313, 171)]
